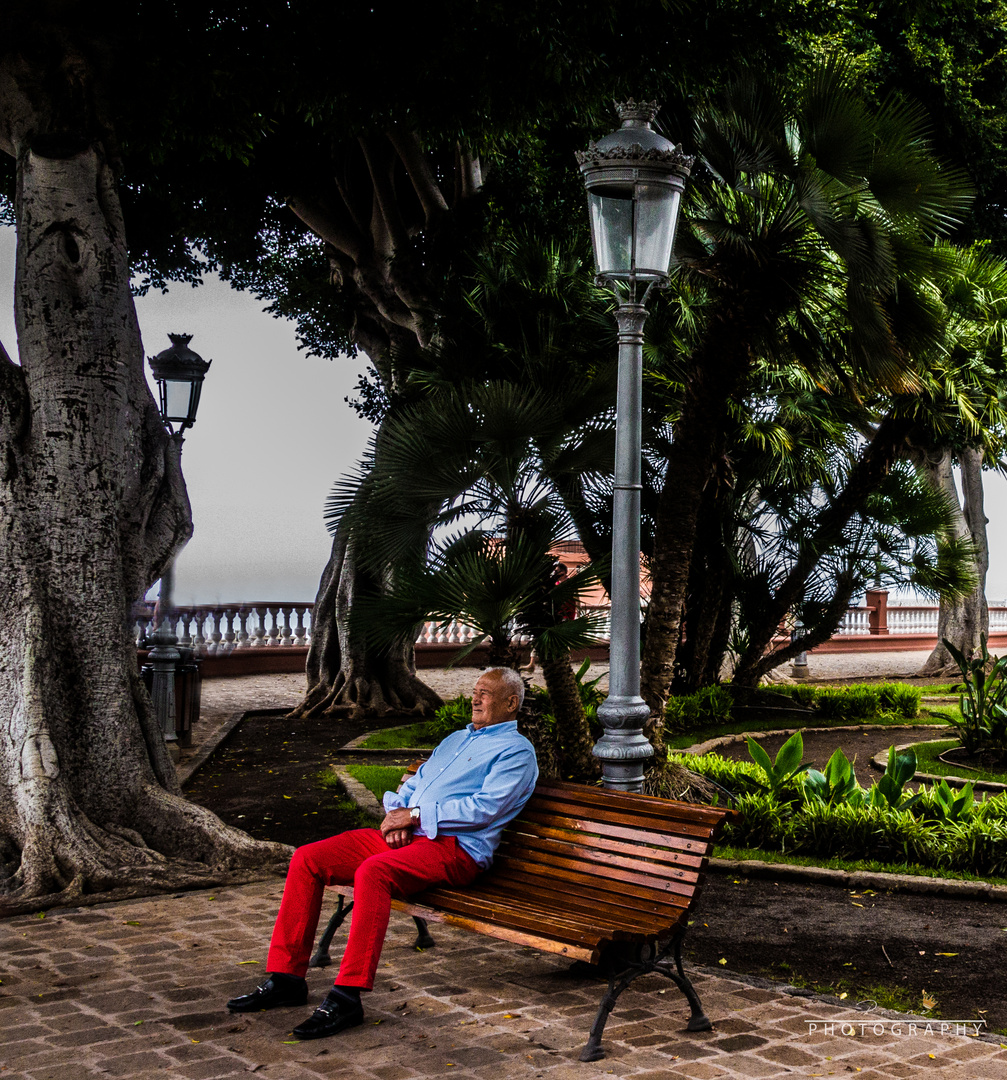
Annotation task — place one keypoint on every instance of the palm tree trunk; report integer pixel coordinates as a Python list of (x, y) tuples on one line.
[(964, 619), (573, 740)]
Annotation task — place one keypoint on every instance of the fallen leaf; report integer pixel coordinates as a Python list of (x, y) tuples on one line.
[(855, 904), (240, 962), (843, 996), (131, 922), (923, 952), (934, 1056), (722, 960), (137, 1023), (946, 954)]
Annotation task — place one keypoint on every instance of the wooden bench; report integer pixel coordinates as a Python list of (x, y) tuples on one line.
[(598, 876)]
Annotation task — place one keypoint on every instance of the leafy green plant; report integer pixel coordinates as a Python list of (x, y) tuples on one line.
[(984, 714), (949, 805), (787, 764), (837, 784), (900, 698), (451, 716), (900, 770)]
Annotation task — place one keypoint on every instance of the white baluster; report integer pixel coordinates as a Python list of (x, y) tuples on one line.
[(259, 637), (274, 627), (286, 638)]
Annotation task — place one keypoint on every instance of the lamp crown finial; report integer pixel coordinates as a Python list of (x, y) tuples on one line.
[(180, 339), (637, 113)]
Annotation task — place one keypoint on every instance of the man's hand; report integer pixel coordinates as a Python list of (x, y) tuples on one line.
[(397, 828)]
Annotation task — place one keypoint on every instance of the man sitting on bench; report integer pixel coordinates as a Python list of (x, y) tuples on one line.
[(441, 827)]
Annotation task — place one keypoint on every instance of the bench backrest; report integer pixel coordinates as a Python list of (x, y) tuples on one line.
[(597, 850)]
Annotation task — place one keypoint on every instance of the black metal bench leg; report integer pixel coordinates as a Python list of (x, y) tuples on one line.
[(321, 957), (616, 984), (698, 1021), (423, 938)]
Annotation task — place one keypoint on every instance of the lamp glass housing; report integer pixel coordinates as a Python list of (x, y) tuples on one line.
[(633, 228), (179, 400)]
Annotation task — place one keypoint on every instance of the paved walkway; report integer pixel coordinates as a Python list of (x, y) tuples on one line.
[(136, 989)]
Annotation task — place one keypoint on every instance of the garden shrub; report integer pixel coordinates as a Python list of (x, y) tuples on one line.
[(705, 708), (451, 716), (901, 699), (864, 701), (788, 822), (763, 822)]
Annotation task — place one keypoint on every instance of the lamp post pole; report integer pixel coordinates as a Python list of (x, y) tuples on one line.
[(164, 656), (634, 179), (622, 749), (179, 373)]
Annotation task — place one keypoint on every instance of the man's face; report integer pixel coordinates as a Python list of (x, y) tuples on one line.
[(491, 702)]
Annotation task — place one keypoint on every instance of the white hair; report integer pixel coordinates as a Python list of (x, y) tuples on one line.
[(512, 682)]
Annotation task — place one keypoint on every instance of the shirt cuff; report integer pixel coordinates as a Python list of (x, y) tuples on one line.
[(392, 801), (428, 820)]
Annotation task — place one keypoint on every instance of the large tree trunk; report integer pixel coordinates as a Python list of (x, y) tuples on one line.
[(962, 621), (382, 215), (92, 506), (692, 463), (347, 677)]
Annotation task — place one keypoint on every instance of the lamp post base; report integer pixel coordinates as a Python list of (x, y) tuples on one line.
[(623, 751)]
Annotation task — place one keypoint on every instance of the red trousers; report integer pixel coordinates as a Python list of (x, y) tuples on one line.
[(377, 873)]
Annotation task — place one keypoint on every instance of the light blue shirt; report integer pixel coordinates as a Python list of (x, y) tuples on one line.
[(471, 787)]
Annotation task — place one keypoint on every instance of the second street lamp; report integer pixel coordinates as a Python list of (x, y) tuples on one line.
[(634, 179), (179, 374)]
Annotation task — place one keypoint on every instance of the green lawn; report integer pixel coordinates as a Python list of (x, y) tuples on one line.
[(927, 760), (377, 778), (412, 735)]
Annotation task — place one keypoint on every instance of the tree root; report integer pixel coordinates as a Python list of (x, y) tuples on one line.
[(355, 697), (174, 845)]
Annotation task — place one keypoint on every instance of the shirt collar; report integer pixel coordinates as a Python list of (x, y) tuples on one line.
[(507, 725)]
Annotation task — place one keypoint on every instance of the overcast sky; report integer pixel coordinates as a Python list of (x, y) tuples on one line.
[(273, 433), (271, 436)]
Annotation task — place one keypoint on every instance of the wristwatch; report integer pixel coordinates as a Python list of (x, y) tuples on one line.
[(414, 813)]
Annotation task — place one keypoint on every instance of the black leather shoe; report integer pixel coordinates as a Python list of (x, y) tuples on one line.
[(329, 1019), (276, 992)]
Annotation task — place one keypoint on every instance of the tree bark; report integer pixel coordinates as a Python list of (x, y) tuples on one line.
[(345, 676), (962, 621), (92, 506), (692, 464), (377, 202), (573, 740)]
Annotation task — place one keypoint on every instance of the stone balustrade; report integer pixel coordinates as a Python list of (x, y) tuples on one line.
[(219, 629)]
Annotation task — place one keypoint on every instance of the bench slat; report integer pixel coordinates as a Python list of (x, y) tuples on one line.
[(556, 892), (671, 892), (618, 867), (618, 922), (621, 876), (598, 849), (635, 837), (504, 933), (511, 913), (632, 804), (700, 832)]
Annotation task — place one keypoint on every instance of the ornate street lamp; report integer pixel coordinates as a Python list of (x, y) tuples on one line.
[(179, 373), (634, 179)]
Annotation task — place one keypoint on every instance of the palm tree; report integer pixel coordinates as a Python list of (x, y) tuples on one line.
[(810, 231)]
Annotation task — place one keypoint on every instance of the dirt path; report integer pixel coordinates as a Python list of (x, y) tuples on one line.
[(838, 941), (859, 747)]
